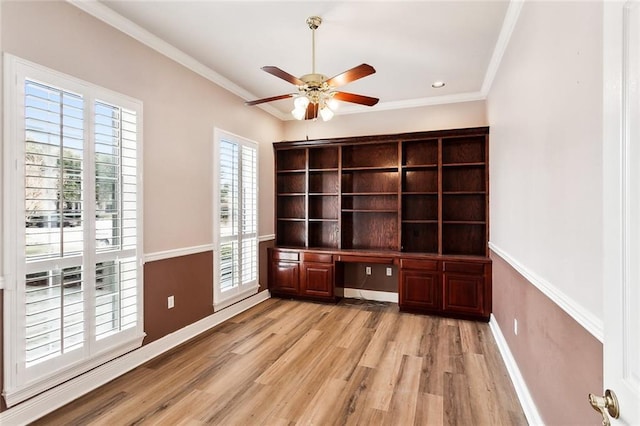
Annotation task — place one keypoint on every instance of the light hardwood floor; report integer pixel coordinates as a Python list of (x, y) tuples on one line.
[(288, 362)]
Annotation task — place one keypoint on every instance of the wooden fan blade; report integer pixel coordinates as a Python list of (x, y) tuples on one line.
[(353, 74), (312, 112), (263, 100), (283, 75), (356, 99)]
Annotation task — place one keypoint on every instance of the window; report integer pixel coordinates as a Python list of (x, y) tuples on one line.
[(236, 210), (73, 243)]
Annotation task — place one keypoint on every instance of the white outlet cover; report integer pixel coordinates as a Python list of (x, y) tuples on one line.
[(389, 272), (367, 270), (170, 302)]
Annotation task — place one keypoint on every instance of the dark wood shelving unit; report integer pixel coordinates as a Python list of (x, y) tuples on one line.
[(418, 200)]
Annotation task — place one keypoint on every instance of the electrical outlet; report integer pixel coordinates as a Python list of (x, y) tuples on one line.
[(389, 272), (170, 302), (515, 326), (367, 270)]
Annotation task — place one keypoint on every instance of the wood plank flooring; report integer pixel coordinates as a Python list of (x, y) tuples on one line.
[(287, 362)]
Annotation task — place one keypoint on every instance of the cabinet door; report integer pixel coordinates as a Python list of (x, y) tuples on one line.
[(420, 289), (285, 277), (464, 294), (317, 279)]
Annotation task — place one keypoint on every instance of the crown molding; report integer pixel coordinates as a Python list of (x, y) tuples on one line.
[(119, 22), (508, 25), (110, 17), (416, 103)]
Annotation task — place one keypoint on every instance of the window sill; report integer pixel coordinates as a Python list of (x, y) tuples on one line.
[(19, 394), (235, 298)]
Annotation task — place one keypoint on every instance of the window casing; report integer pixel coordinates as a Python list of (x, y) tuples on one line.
[(73, 222), (236, 218)]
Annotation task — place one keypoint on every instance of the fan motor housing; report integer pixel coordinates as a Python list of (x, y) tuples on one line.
[(314, 80)]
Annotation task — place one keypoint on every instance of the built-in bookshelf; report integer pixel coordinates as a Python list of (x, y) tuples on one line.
[(291, 195), (464, 195), (420, 177), (416, 193), (416, 200), (324, 197)]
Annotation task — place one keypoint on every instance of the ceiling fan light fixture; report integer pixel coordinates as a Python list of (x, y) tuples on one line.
[(333, 104), (326, 113), (317, 94), (298, 113), (301, 102)]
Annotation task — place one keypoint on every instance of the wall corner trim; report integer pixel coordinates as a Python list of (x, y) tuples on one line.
[(582, 316), (48, 401), (524, 396)]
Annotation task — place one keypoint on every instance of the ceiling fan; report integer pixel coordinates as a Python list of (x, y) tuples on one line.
[(317, 93)]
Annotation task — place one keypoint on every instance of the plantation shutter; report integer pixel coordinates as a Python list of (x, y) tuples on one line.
[(249, 231), (116, 218), (53, 198), (73, 268), (237, 206)]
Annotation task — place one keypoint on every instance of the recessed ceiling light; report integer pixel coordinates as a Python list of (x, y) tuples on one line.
[(437, 84)]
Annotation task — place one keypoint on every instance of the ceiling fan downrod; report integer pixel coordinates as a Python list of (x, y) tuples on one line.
[(313, 22)]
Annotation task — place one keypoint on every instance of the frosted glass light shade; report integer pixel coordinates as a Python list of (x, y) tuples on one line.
[(333, 104), (326, 113), (301, 102), (298, 113)]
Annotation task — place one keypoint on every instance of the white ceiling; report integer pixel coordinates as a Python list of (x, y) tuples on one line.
[(410, 43)]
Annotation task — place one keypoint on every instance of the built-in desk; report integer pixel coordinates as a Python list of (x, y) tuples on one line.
[(456, 286)]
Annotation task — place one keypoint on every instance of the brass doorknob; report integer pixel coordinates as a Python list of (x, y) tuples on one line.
[(606, 404)]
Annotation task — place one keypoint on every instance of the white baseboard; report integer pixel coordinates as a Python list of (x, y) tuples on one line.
[(55, 398), (528, 406), (378, 296)]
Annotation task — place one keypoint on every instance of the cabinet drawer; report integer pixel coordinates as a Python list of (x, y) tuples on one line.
[(318, 257), (286, 255), (427, 265), (464, 267), (365, 259)]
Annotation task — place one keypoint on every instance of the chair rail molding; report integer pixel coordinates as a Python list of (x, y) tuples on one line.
[(575, 310)]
